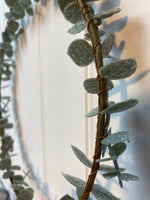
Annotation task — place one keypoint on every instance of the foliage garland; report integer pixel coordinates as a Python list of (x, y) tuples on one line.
[(81, 14)]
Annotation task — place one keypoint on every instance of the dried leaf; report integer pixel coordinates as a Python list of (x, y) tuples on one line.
[(81, 156), (91, 85), (74, 181), (81, 52), (119, 69), (78, 27), (119, 107), (108, 44), (66, 197), (107, 159), (116, 138), (119, 148), (101, 193), (107, 13)]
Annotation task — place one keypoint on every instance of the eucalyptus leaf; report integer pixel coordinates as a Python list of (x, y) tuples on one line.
[(74, 181), (119, 148), (12, 26), (18, 178), (119, 107), (66, 197), (108, 168), (63, 3), (109, 175), (106, 14), (26, 194), (116, 138), (80, 52), (107, 159), (15, 167), (108, 44), (101, 193), (78, 27), (119, 69), (91, 85), (8, 174), (25, 3), (92, 113), (30, 11), (11, 3), (129, 177), (81, 156), (72, 13), (5, 164)]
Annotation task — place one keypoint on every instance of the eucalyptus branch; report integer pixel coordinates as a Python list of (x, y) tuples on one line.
[(102, 95)]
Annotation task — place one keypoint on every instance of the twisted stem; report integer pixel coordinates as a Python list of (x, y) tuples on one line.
[(102, 95)]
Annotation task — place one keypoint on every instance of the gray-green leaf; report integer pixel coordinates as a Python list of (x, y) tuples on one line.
[(81, 52), (107, 159), (67, 197), (92, 113), (81, 156), (91, 85), (116, 138), (100, 32), (80, 191), (78, 27), (63, 3), (119, 69), (101, 193), (107, 13), (74, 180), (108, 44), (72, 13), (119, 107), (119, 148), (129, 177), (26, 194)]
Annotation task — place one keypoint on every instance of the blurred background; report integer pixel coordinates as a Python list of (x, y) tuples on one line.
[(49, 101)]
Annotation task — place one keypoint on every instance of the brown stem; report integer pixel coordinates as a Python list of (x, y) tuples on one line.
[(102, 96)]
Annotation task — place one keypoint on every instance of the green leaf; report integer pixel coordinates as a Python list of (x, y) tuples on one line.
[(74, 181), (12, 26), (123, 176), (24, 3), (91, 85), (106, 14), (26, 194), (63, 3), (129, 177), (15, 167), (108, 168), (119, 148), (66, 197), (92, 113), (72, 13), (5, 164), (1, 54), (8, 174), (11, 3), (119, 107), (18, 178), (30, 11), (101, 193), (119, 69), (78, 27), (107, 159), (81, 156), (116, 138), (18, 12), (108, 44), (80, 52)]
